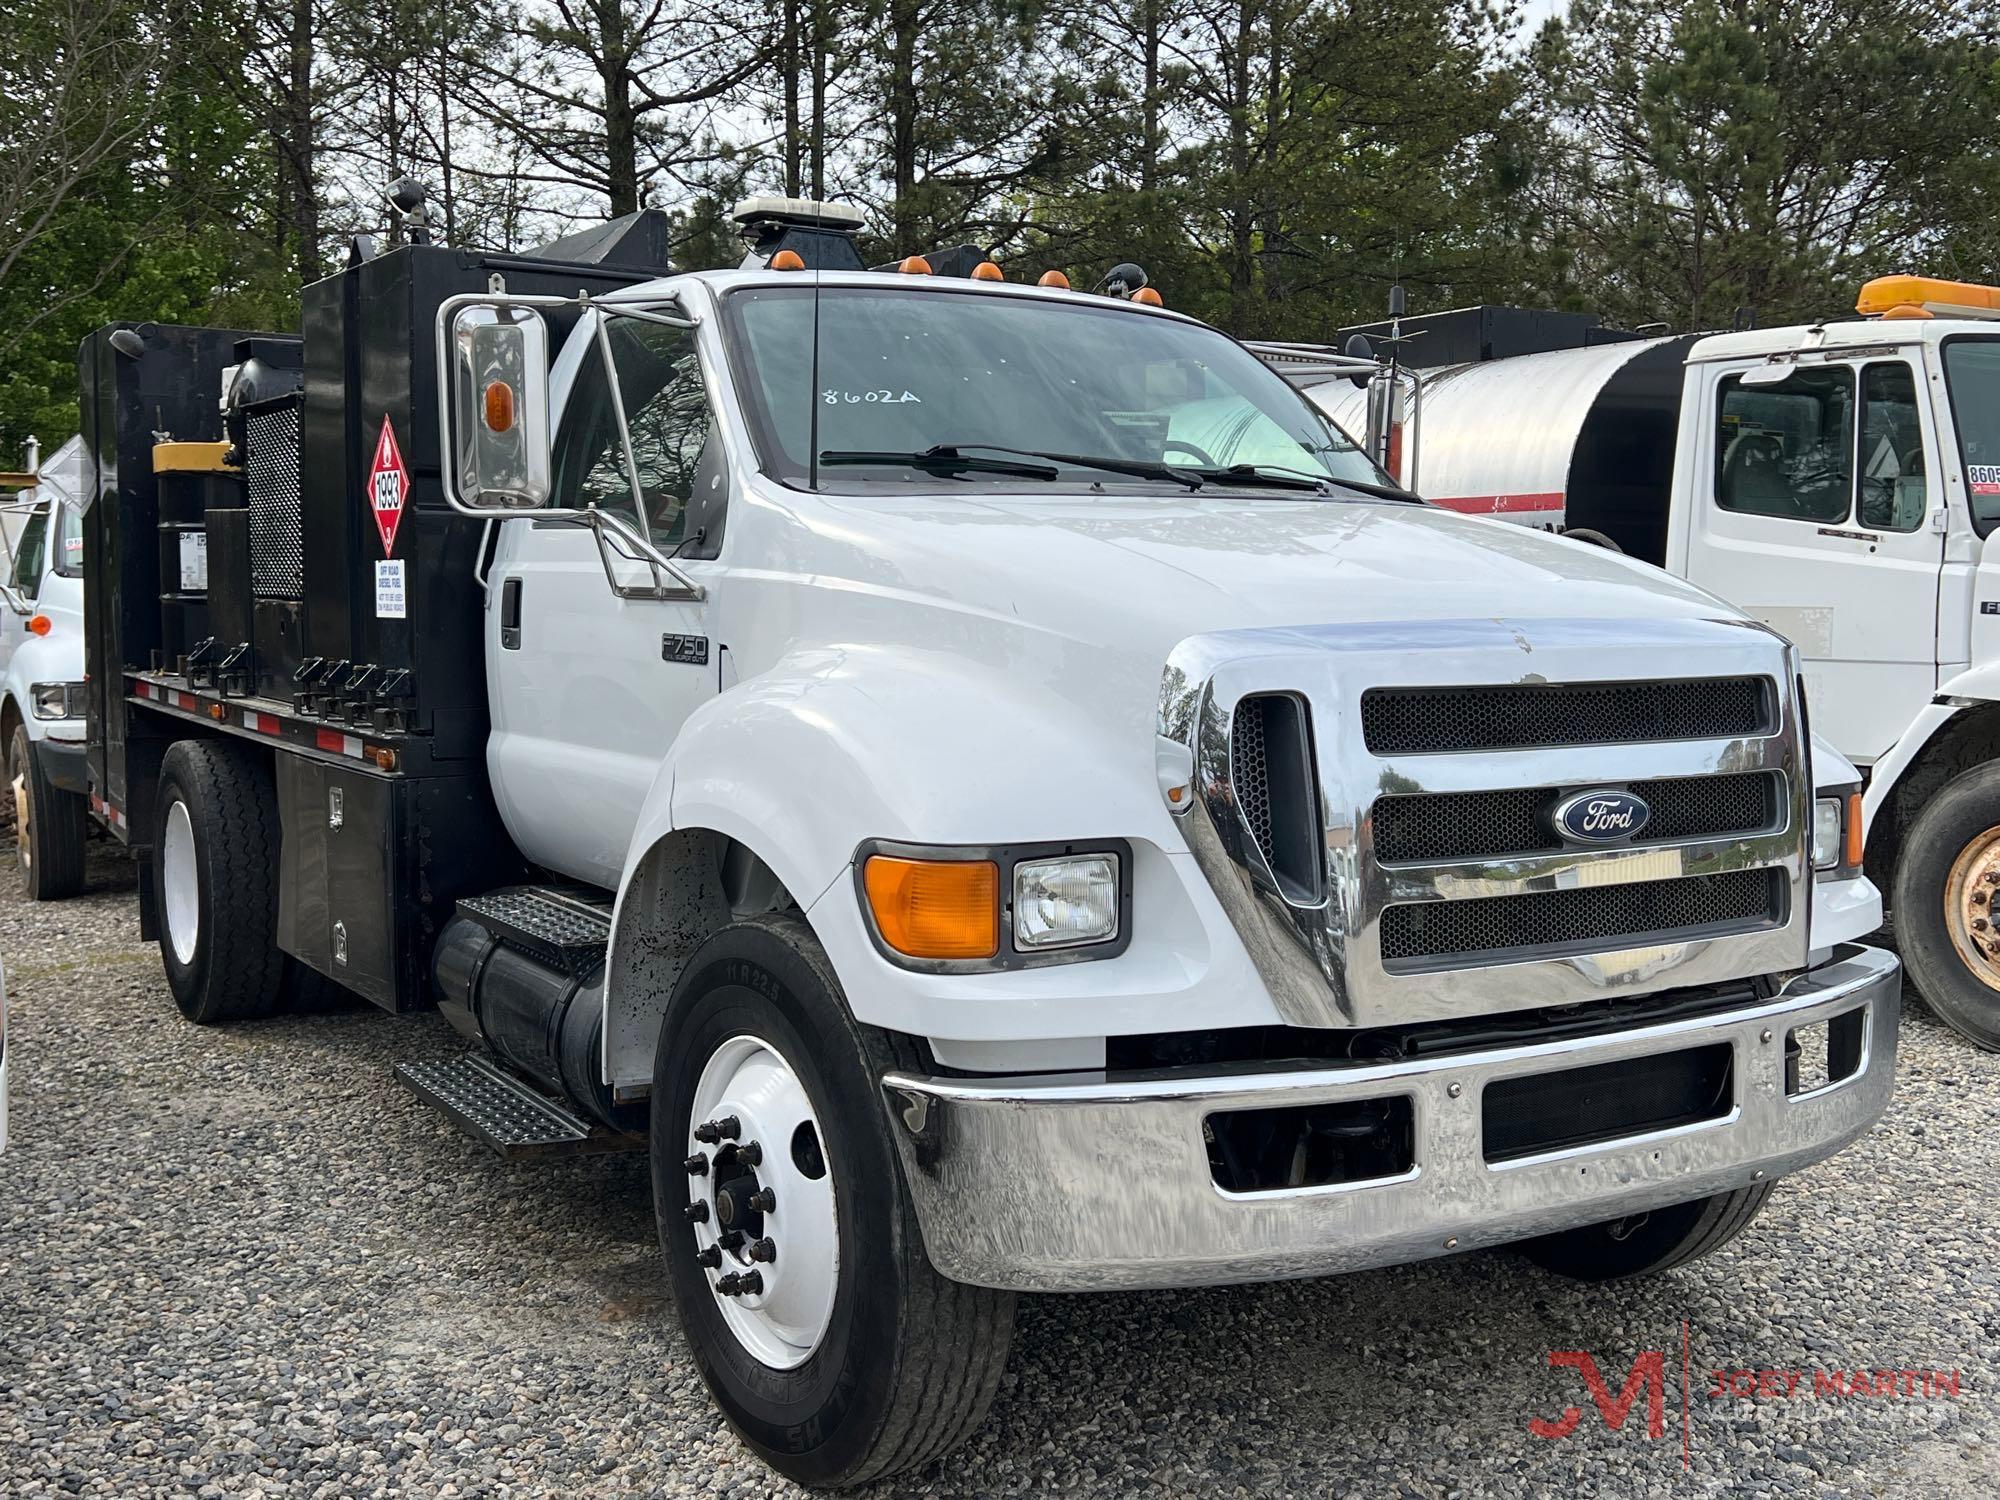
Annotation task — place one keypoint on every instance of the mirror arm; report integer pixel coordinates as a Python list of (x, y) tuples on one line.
[(637, 549), (613, 384)]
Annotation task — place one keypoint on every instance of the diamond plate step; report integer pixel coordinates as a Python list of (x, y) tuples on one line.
[(517, 1120), (564, 929)]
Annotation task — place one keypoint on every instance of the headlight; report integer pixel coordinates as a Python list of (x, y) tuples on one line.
[(1065, 902), (57, 700), (1826, 833), (1836, 841)]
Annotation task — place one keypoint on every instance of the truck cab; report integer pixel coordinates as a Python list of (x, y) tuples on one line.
[(41, 678), (1836, 481), (979, 782)]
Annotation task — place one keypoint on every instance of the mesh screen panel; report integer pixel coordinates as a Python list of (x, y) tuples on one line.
[(1582, 917), (271, 477), (1431, 721), (1489, 825)]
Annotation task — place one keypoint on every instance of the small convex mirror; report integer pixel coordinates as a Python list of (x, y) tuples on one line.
[(500, 406)]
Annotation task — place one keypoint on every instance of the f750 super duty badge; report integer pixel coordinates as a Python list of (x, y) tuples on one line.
[(685, 650)]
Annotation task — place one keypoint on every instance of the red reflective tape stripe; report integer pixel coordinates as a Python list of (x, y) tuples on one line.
[(186, 702), (338, 743), (261, 723), (1498, 505)]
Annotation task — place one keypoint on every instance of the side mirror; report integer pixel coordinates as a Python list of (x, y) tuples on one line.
[(500, 407)]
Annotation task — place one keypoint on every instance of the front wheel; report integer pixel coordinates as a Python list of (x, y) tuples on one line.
[(1947, 885), (1640, 1244), (792, 1249), (50, 826)]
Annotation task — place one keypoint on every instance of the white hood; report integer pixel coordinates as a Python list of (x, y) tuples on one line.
[(1143, 573)]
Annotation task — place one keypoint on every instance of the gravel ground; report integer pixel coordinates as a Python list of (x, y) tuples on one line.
[(241, 1261)]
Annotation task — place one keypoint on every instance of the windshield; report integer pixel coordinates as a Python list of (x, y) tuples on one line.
[(1972, 373), (905, 372)]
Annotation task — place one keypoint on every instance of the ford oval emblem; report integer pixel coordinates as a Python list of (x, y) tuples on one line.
[(1602, 817)]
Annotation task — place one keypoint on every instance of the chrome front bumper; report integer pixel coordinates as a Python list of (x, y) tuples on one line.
[(1054, 1184)]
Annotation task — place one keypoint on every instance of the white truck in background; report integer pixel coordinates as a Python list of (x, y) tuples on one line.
[(1839, 481), (41, 677), (981, 782)]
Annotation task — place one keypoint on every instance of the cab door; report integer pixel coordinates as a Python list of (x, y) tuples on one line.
[(24, 584), (1819, 517), (588, 686)]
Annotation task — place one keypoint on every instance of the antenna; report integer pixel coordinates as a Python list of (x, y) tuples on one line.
[(812, 389)]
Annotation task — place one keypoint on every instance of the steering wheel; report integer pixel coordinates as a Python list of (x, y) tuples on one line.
[(1200, 455)]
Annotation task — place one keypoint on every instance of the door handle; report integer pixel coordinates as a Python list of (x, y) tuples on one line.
[(510, 614)]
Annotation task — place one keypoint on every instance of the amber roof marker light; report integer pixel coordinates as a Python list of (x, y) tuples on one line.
[(1054, 279)]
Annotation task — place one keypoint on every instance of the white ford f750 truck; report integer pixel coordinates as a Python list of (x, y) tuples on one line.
[(1839, 481), (982, 781), (41, 678)]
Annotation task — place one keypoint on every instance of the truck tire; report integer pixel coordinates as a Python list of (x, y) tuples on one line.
[(1645, 1243), (1947, 884), (853, 1359), (1594, 537), (215, 875), (50, 826)]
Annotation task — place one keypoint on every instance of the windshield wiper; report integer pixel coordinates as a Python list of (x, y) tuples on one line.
[(1267, 476), (1138, 468), (1273, 474), (943, 458)]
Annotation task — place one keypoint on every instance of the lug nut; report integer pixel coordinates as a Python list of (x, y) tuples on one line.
[(711, 1131), (765, 1249), (730, 1239), (750, 1154), (763, 1200), (709, 1259), (740, 1284), (697, 1165), (697, 1212)]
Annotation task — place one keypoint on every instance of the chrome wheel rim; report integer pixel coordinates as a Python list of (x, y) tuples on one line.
[(1971, 892), (180, 892), (764, 1227), (24, 814)]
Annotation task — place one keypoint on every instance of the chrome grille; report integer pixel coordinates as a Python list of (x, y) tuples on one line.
[(1436, 933), (1493, 825), (1518, 716), (1437, 886)]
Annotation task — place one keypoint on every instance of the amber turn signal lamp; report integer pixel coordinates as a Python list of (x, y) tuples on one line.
[(987, 271), (499, 406), (40, 624), (788, 260), (1055, 279), (932, 908), (1851, 855), (915, 265)]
